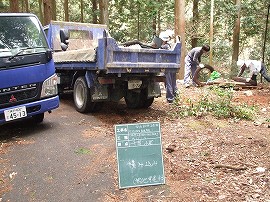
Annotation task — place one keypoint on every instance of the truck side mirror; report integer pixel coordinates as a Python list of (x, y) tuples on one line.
[(64, 36)]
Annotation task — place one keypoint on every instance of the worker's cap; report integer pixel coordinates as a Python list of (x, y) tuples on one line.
[(240, 63), (164, 36)]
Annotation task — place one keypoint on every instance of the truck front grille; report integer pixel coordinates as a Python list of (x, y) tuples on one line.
[(16, 95)]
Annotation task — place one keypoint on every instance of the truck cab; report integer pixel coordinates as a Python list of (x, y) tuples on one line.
[(28, 83)]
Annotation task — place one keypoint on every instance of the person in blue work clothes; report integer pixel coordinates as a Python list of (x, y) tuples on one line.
[(170, 83), (192, 60)]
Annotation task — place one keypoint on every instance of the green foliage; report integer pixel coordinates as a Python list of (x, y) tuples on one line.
[(215, 101), (82, 151), (131, 20), (140, 19), (4, 6), (253, 18)]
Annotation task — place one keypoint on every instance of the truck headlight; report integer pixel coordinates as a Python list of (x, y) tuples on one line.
[(49, 87)]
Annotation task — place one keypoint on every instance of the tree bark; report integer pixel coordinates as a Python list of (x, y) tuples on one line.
[(82, 10), (195, 20), (265, 33), (53, 2), (14, 6), (27, 6), (159, 21), (180, 31), (138, 20), (154, 25), (66, 10), (41, 16), (104, 15), (94, 11), (211, 32), (236, 36), (155, 18), (47, 11), (158, 18)]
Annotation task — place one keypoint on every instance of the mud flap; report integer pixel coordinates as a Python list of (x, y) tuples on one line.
[(99, 93), (153, 90)]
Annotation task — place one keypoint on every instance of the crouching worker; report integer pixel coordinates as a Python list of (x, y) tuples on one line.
[(254, 67)]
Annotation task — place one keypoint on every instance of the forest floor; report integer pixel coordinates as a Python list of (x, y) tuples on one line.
[(205, 158), (211, 159)]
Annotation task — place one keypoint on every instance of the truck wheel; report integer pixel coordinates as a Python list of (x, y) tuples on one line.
[(148, 102), (82, 96), (201, 75), (38, 118), (145, 102), (133, 99)]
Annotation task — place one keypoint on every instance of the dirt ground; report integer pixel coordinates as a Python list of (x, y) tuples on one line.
[(205, 159), (212, 159)]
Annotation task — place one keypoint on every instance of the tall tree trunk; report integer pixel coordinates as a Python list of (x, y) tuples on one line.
[(66, 10), (195, 20), (265, 33), (23, 6), (236, 36), (82, 10), (155, 18), (211, 32), (14, 6), (154, 25), (26, 6), (41, 16), (104, 15), (53, 2), (47, 11), (159, 19), (138, 20), (180, 31), (94, 11)]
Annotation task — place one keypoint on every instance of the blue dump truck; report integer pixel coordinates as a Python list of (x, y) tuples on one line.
[(97, 69), (28, 83)]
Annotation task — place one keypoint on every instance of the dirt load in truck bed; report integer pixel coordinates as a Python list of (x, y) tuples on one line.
[(81, 55)]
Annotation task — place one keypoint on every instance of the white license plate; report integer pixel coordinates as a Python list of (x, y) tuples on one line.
[(133, 84), (15, 113)]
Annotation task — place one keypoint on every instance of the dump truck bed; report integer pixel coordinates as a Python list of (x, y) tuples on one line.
[(92, 48)]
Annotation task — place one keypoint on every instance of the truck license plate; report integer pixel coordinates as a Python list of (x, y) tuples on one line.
[(133, 84), (15, 113)]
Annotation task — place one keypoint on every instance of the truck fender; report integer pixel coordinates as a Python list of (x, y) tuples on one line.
[(90, 77), (98, 91)]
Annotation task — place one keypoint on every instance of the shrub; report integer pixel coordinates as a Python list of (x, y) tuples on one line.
[(216, 101)]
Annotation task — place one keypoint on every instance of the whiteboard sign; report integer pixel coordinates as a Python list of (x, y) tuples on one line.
[(139, 154)]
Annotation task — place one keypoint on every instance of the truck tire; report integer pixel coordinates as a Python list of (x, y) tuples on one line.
[(133, 99), (82, 97), (38, 118), (201, 75), (145, 102)]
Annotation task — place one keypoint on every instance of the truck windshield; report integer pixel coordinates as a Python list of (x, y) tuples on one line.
[(20, 35)]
